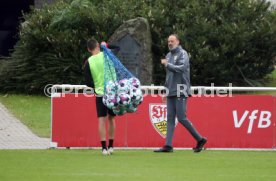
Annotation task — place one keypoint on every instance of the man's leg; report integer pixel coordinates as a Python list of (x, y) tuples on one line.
[(170, 125), (102, 131), (181, 107), (111, 130), (171, 113), (102, 113), (111, 127)]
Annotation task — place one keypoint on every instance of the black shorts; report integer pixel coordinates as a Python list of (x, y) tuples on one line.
[(102, 110)]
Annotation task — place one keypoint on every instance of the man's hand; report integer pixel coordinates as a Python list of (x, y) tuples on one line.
[(103, 43), (164, 62)]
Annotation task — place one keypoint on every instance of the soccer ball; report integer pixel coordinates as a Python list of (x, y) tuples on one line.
[(134, 82), (119, 110), (132, 93), (104, 99), (123, 86), (110, 101), (123, 99), (123, 96), (111, 87), (136, 95), (137, 103), (131, 108)]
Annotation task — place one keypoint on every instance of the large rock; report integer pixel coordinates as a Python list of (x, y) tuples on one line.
[(134, 39), (40, 3)]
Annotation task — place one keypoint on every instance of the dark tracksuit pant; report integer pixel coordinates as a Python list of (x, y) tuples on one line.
[(176, 107)]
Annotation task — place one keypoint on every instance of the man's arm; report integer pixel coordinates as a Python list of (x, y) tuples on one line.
[(87, 76), (111, 46), (115, 49), (183, 62)]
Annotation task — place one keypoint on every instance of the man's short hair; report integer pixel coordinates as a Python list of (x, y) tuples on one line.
[(92, 43)]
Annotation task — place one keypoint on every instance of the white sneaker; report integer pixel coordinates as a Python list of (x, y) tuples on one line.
[(110, 150), (105, 152)]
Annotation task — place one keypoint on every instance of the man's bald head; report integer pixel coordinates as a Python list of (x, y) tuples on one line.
[(173, 41)]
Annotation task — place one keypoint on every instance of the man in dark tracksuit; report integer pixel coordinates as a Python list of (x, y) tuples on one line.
[(178, 84)]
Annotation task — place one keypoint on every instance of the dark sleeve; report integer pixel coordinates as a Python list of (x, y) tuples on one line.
[(111, 46), (87, 76), (114, 48)]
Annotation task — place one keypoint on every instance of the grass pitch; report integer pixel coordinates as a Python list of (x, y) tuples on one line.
[(124, 165), (140, 165), (33, 111)]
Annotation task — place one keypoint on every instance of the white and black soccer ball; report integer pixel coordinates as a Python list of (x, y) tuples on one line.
[(136, 95), (131, 108), (134, 82), (123, 99), (123, 86), (110, 101), (111, 88), (120, 110)]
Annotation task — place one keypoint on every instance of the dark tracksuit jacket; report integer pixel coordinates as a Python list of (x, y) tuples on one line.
[(178, 72)]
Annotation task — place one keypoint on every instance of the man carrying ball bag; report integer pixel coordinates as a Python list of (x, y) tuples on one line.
[(94, 78)]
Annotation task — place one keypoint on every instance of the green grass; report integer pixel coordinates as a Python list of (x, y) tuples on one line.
[(33, 111), (140, 165)]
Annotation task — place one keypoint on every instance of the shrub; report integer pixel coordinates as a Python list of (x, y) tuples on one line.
[(228, 41)]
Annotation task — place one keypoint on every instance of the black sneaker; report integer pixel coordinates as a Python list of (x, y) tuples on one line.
[(200, 145), (165, 148)]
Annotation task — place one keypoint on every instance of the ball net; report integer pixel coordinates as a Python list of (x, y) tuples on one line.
[(122, 90)]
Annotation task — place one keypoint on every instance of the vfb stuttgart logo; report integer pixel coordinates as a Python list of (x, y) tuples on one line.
[(158, 118)]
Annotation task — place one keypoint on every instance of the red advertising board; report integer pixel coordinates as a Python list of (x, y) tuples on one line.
[(240, 121)]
